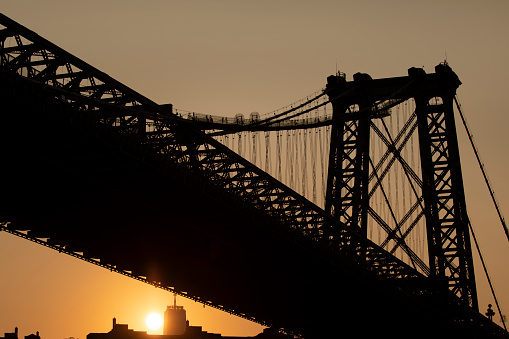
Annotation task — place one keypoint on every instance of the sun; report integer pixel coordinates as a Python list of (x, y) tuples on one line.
[(154, 321)]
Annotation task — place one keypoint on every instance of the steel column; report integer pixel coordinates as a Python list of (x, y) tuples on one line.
[(347, 198), (449, 247)]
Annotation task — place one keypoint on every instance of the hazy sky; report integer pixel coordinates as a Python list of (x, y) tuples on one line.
[(228, 57)]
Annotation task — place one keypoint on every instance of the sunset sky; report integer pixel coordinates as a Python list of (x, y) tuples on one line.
[(227, 57)]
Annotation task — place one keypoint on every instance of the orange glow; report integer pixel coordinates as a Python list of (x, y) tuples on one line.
[(154, 321)]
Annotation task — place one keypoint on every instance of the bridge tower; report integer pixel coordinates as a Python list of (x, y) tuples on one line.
[(347, 200)]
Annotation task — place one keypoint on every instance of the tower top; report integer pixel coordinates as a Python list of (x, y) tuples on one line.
[(174, 306)]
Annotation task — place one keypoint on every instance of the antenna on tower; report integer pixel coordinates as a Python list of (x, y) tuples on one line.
[(175, 300)]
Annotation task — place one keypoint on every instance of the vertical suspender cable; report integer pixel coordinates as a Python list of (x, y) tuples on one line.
[(481, 165), (322, 166), (267, 153), (314, 151)]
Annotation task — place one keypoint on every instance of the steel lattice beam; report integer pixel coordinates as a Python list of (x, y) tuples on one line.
[(100, 98), (347, 185)]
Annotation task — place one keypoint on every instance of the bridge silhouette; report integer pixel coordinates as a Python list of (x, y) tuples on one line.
[(100, 172)]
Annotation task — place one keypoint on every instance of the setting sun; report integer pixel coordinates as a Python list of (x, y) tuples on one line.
[(154, 321)]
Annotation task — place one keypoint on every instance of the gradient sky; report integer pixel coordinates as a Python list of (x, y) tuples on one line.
[(228, 57)]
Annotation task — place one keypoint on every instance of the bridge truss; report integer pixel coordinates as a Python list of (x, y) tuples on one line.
[(48, 79)]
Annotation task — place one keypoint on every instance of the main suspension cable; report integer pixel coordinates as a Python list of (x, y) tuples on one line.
[(486, 273), (481, 165)]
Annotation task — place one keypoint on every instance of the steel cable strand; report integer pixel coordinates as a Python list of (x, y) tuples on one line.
[(482, 167), (486, 273)]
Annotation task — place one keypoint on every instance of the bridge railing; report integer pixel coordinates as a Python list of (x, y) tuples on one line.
[(247, 122)]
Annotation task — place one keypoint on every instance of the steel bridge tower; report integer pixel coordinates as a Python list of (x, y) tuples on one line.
[(347, 200)]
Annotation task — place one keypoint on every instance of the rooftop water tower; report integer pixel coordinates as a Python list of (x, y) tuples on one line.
[(175, 322)]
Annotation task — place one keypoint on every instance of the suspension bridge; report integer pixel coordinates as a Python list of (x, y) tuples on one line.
[(353, 195)]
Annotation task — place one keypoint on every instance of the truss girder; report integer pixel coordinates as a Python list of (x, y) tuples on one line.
[(260, 191), (96, 96), (29, 55)]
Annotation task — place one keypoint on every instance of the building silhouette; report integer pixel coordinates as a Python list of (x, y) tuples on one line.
[(175, 321), (14, 335), (175, 326), (119, 331), (122, 331)]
